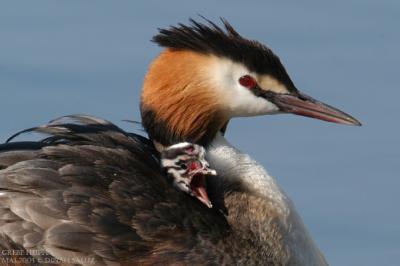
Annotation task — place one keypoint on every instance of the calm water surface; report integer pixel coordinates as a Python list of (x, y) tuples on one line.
[(67, 57)]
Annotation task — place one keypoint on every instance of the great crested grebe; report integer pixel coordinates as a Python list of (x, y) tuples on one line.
[(90, 193)]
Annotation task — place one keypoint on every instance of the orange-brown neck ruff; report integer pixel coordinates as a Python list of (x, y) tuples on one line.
[(178, 101)]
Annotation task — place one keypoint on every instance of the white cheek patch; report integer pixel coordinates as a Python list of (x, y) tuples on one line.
[(238, 100), (245, 103)]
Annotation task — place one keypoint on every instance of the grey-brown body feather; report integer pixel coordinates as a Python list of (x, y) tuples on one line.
[(95, 192), (92, 194)]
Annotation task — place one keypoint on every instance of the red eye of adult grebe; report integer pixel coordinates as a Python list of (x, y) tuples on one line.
[(247, 81)]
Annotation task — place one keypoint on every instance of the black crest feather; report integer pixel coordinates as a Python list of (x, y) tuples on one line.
[(209, 38)]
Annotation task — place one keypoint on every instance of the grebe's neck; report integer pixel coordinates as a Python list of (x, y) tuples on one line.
[(258, 209), (234, 166)]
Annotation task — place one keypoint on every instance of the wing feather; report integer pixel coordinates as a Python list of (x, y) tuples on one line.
[(93, 192)]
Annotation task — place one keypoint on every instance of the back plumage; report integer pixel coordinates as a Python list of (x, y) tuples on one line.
[(90, 192)]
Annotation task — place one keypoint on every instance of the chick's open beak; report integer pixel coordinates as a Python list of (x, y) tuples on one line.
[(198, 185)]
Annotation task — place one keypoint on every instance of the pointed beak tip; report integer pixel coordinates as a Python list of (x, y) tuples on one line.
[(357, 123), (349, 121)]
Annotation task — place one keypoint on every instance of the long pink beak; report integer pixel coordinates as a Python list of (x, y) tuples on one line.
[(304, 105)]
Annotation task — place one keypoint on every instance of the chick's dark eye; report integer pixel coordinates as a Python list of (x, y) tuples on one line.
[(248, 81), (183, 166)]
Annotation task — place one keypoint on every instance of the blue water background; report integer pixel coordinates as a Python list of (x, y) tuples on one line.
[(67, 57)]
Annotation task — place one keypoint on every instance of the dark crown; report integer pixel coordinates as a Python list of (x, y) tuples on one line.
[(211, 39)]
